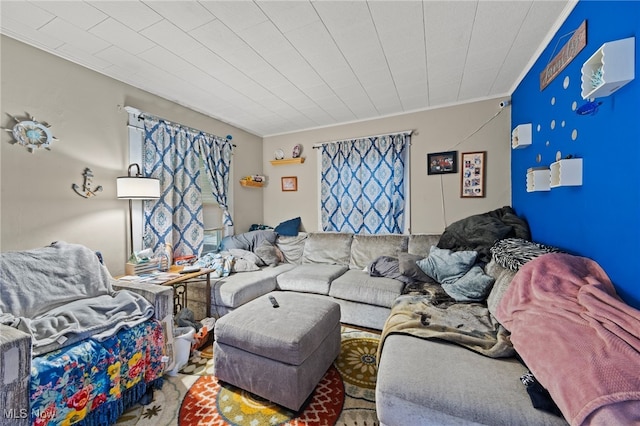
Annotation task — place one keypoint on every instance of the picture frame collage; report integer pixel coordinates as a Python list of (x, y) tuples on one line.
[(472, 167)]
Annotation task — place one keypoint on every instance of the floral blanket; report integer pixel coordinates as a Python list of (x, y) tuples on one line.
[(92, 382)]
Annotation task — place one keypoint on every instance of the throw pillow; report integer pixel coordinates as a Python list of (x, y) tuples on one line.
[(268, 253), (247, 255), (410, 269), (446, 266), (289, 228), (244, 265), (512, 253), (474, 286)]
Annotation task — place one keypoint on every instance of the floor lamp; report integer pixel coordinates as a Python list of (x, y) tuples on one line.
[(136, 187)]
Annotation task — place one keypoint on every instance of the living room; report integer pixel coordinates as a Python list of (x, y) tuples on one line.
[(85, 109)]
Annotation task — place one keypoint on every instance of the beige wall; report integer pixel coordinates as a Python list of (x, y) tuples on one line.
[(37, 204), (435, 199)]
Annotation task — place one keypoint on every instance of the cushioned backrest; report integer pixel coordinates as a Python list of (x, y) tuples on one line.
[(367, 248), (503, 278), (332, 248), (420, 244), (292, 248)]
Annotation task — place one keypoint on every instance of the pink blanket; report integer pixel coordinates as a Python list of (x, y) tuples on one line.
[(577, 337)]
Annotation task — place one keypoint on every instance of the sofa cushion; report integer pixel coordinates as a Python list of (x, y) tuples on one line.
[(420, 244), (268, 253), (503, 279), (292, 247), (310, 278), (238, 289), (331, 248), (358, 286), (367, 248), (432, 382)]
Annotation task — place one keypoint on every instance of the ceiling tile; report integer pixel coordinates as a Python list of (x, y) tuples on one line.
[(134, 14), (186, 15), (78, 13), (122, 36), (74, 36), (30, 15)]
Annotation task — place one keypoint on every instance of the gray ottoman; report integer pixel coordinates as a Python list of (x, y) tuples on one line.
[(280, 353)]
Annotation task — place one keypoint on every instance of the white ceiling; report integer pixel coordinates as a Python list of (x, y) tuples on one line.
[(273, 67)]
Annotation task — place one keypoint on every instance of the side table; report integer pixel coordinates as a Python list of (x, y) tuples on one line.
[(179, 282), (180, 287)]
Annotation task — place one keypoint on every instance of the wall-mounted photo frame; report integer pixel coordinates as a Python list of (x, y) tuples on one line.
[(289, 183), (439, 163), (472, 178)]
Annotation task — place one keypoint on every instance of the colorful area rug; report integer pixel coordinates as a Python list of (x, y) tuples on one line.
[(344, 396)]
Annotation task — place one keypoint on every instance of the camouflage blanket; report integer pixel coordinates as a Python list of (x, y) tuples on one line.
[(427, 312)]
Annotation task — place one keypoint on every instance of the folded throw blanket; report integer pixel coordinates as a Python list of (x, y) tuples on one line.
[(62, 294), (577, 337)]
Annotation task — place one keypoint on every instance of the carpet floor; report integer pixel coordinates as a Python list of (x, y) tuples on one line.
[(344, 396)]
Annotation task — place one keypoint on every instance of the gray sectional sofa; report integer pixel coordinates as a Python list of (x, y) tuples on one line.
[(420, 381), (443, 361)]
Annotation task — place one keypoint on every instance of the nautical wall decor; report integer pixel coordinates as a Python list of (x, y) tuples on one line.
[(31, 133), (86, 190)]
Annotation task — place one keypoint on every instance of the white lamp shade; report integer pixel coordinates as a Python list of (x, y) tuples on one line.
[(137, 188)]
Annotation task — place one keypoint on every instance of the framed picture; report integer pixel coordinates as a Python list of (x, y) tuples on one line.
[(473, 174), (289, 183), (442, 162)]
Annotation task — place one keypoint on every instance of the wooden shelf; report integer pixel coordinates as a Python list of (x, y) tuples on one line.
[(284, 161), (252, 184)]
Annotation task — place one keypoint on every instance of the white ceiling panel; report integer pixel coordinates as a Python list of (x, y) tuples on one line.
[(134, 14), (80, 14), (186, 15), (273, 67), (73, 35)]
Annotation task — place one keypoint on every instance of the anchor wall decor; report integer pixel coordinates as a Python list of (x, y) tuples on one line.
[(86, 191)]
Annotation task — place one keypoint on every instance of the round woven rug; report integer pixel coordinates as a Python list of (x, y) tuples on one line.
[(345, 395)]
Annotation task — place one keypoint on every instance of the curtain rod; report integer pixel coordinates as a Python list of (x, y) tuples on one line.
[(403, 132), (140, 114)]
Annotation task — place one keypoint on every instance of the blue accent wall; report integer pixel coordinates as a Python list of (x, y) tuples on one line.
[(601, 218)]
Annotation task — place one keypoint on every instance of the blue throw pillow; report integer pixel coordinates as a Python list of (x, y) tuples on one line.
[(288, 228), (474, 286), (446, 266)]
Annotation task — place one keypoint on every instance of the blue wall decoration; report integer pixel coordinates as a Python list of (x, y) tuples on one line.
[(601, 218)]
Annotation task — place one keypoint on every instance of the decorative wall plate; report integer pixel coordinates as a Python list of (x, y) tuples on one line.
[(297, 150), (279, 154), (31, 134)]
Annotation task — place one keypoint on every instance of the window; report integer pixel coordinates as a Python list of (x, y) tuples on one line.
[(364, 185)]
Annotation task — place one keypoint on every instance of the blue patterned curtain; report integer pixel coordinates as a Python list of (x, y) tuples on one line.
[(363, 185), (171, 155), (216, 154)]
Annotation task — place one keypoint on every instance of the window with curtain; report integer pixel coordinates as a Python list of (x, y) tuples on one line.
[(178, 155), (363, 185)]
